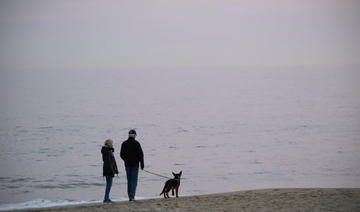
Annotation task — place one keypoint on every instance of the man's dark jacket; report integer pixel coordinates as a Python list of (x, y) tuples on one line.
[(132, 153), (109, 167)]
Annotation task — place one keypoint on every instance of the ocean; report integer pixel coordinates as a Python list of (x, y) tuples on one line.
[(227, 129)]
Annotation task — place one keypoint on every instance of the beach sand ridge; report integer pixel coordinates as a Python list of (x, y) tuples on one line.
[(290, 199)]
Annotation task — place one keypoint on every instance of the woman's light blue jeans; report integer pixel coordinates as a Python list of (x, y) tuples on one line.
[(109, 180)]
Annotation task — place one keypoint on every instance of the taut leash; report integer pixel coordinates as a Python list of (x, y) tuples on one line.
[(156, 174)]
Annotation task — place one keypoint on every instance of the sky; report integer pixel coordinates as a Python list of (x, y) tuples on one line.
[(88, 34)]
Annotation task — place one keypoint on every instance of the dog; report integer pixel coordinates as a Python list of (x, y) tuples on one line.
[(172, 184)]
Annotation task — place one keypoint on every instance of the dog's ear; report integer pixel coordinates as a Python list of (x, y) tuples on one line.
[(173, 174), (180, 172)]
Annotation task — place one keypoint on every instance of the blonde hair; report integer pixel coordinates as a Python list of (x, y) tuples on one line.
[(109, 143)]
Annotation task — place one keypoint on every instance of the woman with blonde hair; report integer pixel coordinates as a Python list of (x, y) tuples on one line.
[(109, 167)]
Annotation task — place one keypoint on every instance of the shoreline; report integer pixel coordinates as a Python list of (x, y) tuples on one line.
[(282, 199)]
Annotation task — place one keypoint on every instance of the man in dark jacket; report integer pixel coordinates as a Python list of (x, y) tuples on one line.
[(132, 155)]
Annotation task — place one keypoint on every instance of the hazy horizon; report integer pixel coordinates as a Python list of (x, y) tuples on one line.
[(56, 35)]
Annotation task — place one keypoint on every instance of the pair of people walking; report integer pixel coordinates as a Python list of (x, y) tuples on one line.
[(132, 155)]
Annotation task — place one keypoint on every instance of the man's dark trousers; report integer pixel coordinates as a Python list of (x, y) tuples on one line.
[(132, 178)]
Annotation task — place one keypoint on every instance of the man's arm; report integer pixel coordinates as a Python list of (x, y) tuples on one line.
[(122, 152), (141, 157)]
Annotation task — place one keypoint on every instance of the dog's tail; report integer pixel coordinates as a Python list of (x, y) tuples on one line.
[(162, 191)]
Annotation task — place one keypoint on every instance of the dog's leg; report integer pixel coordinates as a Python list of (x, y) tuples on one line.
[(177, 191), (172, 191)]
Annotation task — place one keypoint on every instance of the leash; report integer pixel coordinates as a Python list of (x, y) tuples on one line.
[(156, 174)]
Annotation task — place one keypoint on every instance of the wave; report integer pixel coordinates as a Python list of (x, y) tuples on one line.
[(43, 203)]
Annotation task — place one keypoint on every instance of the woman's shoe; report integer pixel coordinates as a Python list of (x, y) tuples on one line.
[(108, 201)]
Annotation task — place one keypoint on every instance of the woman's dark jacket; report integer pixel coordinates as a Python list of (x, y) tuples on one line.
[(109, 167), (132, 153)]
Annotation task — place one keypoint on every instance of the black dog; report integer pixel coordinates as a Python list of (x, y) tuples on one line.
[(172, 184)]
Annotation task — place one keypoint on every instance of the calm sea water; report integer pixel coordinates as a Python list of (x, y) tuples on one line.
[(226, 129)]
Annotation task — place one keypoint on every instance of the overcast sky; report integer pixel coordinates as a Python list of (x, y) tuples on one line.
[(86, 34)]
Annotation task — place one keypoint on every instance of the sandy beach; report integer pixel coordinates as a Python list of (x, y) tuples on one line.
[(291, 199)]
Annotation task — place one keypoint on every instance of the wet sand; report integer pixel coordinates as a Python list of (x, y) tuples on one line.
[(312, 199)]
